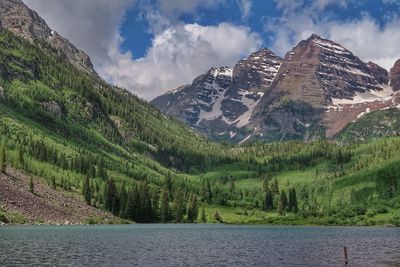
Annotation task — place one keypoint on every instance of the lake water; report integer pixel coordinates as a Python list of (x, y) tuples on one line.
[(197, 245)]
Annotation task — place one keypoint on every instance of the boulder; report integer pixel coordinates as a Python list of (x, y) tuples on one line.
[(53, 108)]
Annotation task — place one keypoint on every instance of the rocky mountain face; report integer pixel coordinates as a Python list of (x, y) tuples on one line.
[(16, 17), (395, 76), (221, 102), (314, 92)]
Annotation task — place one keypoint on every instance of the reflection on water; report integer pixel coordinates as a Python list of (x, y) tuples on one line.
[(197, 245)]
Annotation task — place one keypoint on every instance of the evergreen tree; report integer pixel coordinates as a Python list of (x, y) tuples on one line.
[(265, 185), (155, 203), (388, 181), (178, 206), (123, 199), (111, 197), (31, 185), (293, 206), (275, 188), (168, 183), (206, 191), (193, 210), (283, 200), (280, 208), (132, 204), (268, 200), (232, 187), (165, 212), (86, 190), (3, 159), (145, 210), (203, 215), (101, 170)]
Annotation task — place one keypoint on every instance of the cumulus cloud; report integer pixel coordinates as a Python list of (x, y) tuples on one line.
[(369, 40), (178, 54), (364, 36)]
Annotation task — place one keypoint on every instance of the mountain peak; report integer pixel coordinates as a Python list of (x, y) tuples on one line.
[(315, 36)]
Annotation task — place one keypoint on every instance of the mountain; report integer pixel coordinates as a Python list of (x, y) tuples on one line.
[(318, 89), (221, 102)]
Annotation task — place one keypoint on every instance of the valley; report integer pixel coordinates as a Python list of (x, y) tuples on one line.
[(118, 159)]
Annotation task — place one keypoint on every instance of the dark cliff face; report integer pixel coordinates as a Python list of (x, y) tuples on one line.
[(395, 76), (380, 74), (199, 101), (16, 17), (314, 92), (251, 79)]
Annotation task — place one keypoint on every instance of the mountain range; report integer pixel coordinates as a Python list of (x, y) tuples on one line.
[(315, 92)]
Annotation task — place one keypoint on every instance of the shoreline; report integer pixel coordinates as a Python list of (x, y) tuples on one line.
[(187, 224)]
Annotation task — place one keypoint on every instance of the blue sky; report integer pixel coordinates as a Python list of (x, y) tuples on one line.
[(151, 46)]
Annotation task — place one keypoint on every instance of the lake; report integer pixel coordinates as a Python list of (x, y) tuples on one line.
[(197, 245)]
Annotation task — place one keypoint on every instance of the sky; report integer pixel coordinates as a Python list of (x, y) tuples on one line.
[(152, 46)]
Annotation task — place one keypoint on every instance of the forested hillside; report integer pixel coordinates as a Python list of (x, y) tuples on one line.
[(82, 136)]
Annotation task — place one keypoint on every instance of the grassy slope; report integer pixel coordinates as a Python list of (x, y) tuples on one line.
[(350, 197)]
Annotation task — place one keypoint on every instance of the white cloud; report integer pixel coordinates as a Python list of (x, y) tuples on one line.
[(369, 40), (245, 8), (178, 54), (364, 37)]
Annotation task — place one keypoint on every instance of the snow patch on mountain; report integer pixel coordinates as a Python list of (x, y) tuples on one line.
[(367, 110), (244, 140), (330, 46), (217, 95), (385, 94), (250, 100)]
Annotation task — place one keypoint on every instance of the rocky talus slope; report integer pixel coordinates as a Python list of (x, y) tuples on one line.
[(45, 205)]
